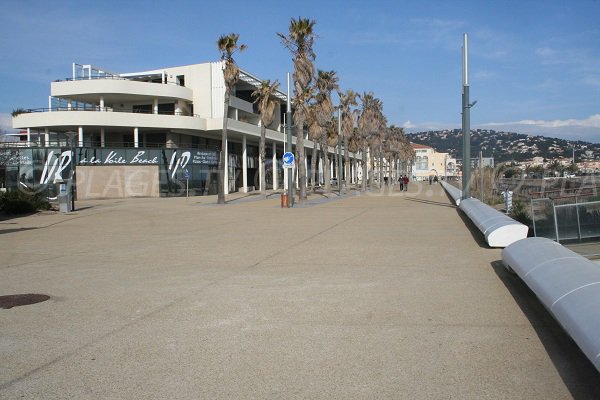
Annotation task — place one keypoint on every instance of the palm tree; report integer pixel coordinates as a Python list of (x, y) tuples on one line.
[(370, 123), (347, 100), (227, 45), (266, 107), (314, 134), (299, 41), (327, 81)]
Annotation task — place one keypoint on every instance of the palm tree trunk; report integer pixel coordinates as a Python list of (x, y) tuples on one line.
[(364, 168), (313, 163), (261, 150), (347, 163), (326, 172), (301, 166), (221, 183)]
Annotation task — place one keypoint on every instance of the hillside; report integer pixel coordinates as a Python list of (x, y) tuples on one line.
[(506, 146)]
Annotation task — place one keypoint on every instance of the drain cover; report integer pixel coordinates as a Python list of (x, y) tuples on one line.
[(15, 300)]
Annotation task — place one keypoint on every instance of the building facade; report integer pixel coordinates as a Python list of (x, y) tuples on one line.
[(147, 133), (428, 163)]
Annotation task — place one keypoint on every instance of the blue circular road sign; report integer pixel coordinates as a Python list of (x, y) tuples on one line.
[(288, 159)]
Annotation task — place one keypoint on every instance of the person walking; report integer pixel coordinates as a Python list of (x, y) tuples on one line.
[(405, 183), (401, 182), (430, 179)]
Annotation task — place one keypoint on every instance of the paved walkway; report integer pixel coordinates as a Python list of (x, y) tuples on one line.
[(383, 295)]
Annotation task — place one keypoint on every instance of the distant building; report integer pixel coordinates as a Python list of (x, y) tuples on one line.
[(428, 163)]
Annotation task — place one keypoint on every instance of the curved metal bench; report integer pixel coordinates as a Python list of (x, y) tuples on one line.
[(499, 229), (454, 192), (567, 284)]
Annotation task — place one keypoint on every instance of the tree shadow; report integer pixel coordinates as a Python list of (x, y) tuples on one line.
[(434, 203), (3, 231), (580, 376)]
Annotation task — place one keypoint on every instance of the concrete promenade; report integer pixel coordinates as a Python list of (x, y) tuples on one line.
[(382, 295)]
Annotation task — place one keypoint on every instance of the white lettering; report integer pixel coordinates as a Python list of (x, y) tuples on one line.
[(112, 159)]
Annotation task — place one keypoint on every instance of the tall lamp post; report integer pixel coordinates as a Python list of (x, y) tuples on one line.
[(71, 136), (288, 131), (466, 122), (340, 150)]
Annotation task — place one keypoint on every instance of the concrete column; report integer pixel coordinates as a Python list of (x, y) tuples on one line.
[(28, 136), (319, 170), (226, 175), (80, 131), (46, 137), (274, 166), (305, 168), (101, 103), (155, 106), (102, 137), (136, 137), (244, 166), (331, 171), (70, 105), (49, 103)]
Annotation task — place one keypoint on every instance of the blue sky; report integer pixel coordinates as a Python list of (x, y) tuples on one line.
[(534, 65)]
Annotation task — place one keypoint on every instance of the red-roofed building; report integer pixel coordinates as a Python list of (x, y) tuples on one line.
[(428, 163)]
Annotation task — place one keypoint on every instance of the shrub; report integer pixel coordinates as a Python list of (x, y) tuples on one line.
[(519, 213), (18, 202)]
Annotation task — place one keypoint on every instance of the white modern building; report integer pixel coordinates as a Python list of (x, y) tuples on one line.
[(144, 133)]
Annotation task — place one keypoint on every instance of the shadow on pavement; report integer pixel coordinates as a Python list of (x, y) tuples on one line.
[(577, 372), (476, 233), (434, 203), (3, 231)]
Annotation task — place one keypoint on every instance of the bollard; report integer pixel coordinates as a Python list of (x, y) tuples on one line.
[(285, 200)]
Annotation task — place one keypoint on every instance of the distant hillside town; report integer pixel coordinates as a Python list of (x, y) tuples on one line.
[(514, 147)]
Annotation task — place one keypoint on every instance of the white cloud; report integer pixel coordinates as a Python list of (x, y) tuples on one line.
[(408, 125), (545, 52), (590, 122), (587, 129), (592, 81)]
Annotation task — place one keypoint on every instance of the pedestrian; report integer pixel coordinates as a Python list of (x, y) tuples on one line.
[(430, 179), (401, 182), (405, 182), (435, 179)]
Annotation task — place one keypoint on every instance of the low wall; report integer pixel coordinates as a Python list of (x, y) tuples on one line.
[(110, 182), (499, 229), (566, 283), (454, 192)]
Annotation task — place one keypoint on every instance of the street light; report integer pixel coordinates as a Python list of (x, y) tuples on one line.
[(339, 174), (71, 136)]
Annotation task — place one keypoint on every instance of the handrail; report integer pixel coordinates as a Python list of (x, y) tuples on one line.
[(23, 145), (104, 109), (119, 78)]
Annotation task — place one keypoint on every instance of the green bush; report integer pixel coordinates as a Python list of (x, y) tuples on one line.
[(19, 202), (519, 213)]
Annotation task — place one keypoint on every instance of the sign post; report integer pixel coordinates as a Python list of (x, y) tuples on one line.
[(288, 163), (186, 175)]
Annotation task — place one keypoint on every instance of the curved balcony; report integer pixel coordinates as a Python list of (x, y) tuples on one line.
[(65, 118), (117, 90)]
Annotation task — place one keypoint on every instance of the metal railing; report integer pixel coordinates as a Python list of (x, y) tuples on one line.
[(113, 77), (566, 217), (93, 108)]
